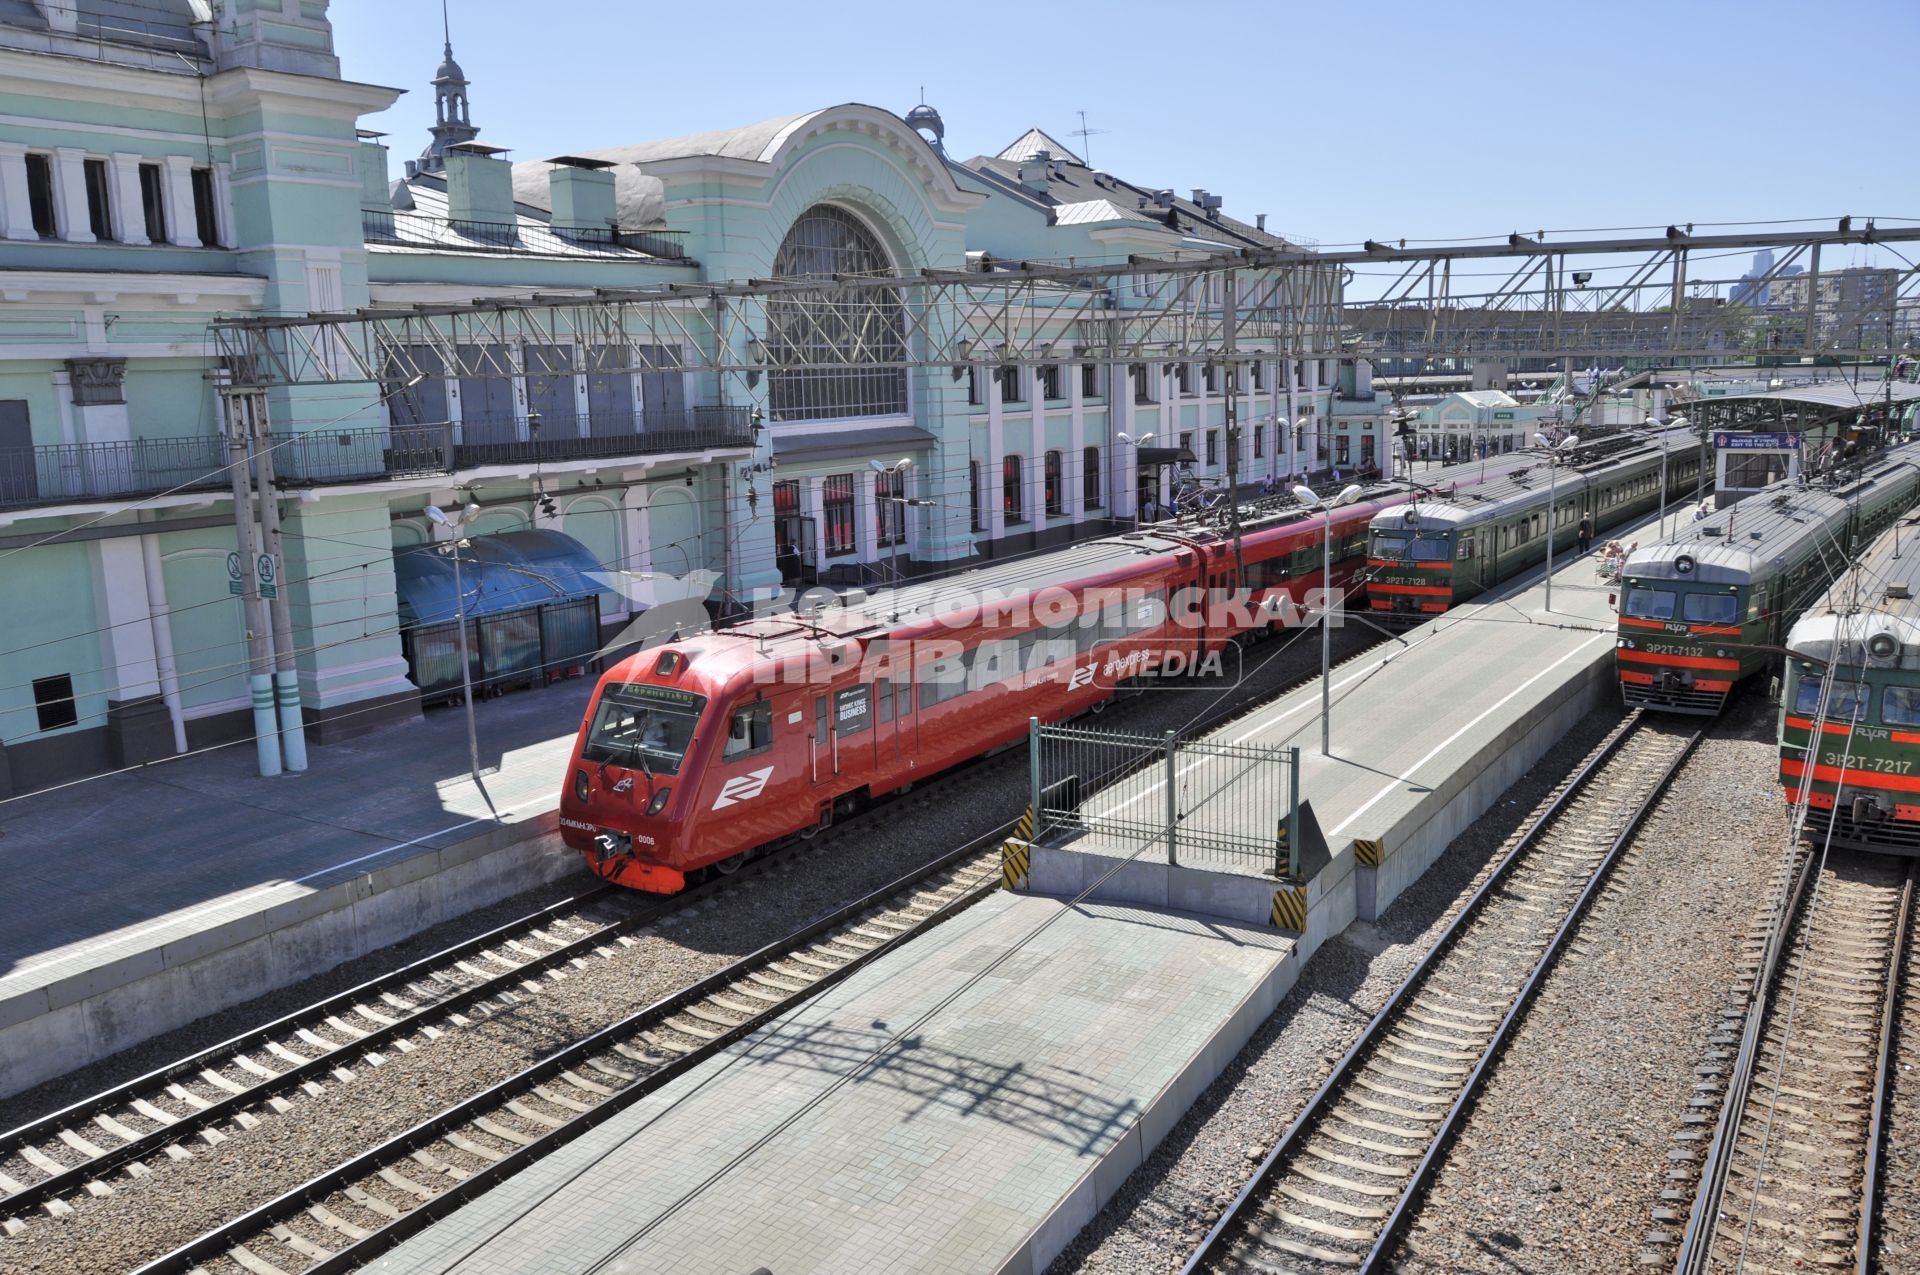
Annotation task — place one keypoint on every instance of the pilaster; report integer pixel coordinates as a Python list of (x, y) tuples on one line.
[(124, 212), (16, 210), (70, 194), (177, 192)]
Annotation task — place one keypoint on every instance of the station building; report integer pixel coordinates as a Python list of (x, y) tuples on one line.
[(161, 172)]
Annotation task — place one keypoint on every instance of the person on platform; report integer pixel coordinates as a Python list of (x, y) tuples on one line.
[(1586, 534)]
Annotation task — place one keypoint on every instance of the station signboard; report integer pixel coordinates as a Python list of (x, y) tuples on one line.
[(1784, 442)]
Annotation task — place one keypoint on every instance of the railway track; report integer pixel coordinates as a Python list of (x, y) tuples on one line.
[(350, 1214), (1334, 1192), (250, 1076), (1791, 1178)]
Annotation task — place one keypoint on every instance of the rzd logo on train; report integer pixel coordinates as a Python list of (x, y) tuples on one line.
[(743, 787)]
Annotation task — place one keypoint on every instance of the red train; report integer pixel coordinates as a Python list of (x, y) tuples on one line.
[(695, 754)]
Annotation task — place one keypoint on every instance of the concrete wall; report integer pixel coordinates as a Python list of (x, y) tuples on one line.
[(55, 1029)]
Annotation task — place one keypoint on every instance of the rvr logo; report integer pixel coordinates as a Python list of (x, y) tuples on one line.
[(743, 787)]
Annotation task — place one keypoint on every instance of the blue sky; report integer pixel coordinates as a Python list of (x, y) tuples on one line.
[(1420, 120)]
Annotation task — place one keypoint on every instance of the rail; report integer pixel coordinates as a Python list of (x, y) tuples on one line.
[(1237, 1219), (62, 473), (362, 1249)]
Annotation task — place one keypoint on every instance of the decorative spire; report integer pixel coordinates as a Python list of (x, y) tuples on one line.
[(451, 123)]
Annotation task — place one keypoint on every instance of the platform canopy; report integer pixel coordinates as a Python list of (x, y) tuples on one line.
[(506, 572)]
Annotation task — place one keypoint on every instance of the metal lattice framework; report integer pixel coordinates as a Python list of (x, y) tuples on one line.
[(1286, 304)]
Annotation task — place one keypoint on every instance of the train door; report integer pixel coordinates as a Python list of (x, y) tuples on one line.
[(893, 716)]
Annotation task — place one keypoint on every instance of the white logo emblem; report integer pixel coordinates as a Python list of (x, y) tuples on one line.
[(743, 787)]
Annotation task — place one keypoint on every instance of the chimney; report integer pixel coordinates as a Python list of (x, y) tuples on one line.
[(1260, 222), (1034, 171), (479, 183), (372, 159), (582, 191), (1200, 196)]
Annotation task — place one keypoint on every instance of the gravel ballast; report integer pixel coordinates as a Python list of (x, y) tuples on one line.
[(148, 1216), (1899, 1250), (1167, 1205), (1562, 1162)]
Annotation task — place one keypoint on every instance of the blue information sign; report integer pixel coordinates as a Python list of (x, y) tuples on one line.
[(1757, 442)]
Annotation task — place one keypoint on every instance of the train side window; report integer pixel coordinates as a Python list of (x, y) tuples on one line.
[(1900, 706), (822, 720), (750, 731), (1466, 548), (883, 700)]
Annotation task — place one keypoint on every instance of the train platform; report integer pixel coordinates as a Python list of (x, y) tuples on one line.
[(138, 902), (1426, 733), (966, 1103)]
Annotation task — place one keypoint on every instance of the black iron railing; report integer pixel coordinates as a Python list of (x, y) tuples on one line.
[(69, 472), (410, 451), (380, 226)]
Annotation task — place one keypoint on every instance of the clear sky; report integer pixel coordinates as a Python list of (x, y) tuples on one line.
[(1340, 121)]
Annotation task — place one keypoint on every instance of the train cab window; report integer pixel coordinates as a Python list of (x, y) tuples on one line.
[(750, 731), (1900, 706), (1390, 548), (1466, 548), (1845, 700), (1431, 549), (1649, 604), (643, 728), (1712, 608)]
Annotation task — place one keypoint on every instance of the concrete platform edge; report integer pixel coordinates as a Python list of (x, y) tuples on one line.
[(53, 1029)]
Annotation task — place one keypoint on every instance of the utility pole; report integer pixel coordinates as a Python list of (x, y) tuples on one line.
[(286, 672), (242, 574), (1229, 325)]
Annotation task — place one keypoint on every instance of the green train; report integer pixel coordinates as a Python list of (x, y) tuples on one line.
[(1437, 552), (1853, 682), (1708, 607)]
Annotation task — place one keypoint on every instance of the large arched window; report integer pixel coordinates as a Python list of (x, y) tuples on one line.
[(834, 336)]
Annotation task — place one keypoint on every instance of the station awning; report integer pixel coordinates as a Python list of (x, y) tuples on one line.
[(506, 572), (1166, 456), (880, 442)]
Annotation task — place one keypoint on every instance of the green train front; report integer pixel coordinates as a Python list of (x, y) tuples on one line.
[(1853, 685), (1411, 556), (1693, 620)]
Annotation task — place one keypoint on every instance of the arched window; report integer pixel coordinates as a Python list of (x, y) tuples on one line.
[(1013, 499), (825, 335)]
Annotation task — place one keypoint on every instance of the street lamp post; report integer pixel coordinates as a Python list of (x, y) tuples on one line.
[(1300, 428), (1700, 480), (1131, 441), (1553, 503), (1305, 496), (900, 502), (456, 523), (1654, 423)]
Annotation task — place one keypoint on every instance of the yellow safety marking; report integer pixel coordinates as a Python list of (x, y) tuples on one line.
[(1369, 853), (1290, 908), (1015, 863)]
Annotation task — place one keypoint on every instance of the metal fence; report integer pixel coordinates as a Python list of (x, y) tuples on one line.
[(525, 647), (1203, 802), (89, 471)]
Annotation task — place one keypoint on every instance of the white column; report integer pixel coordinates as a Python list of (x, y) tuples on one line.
[(16, 209), (124, 210), (125, 618), (1293, 414), (223, 205), (70, 194), (814, 493), (176, 192), (1073, 472), (864, 540), (1123, 460), (166, 665), (993, 479)]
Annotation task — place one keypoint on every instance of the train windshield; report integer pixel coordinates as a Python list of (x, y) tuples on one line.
[(1846, 700), (1648, 604), (1712, 608), (1411, 548), (1900, 706), (643, 727)]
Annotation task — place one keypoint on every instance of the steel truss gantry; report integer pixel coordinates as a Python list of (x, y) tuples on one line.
[(1285, 303)]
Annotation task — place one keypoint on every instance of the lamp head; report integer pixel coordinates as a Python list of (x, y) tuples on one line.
[(877, 467), (1348, 495), (471, 512), (437, 514), (1305, 496), (1540, 440)]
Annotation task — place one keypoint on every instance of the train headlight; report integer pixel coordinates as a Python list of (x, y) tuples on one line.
[(580, 785), (1881, 646), (1719, 653), (659, 801)]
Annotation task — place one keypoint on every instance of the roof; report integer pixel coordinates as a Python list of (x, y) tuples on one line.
[(423, 226), (1487, 398), (1035, 139), (1093, 212), (1861, 604), (1841, 394), (506, 572), (1070, 182), (1730, 544), (1473, 492), (155, 24)]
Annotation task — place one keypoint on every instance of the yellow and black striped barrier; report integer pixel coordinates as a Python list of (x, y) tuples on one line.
[(1290, 908), (1016, 855), (1369, 853)]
